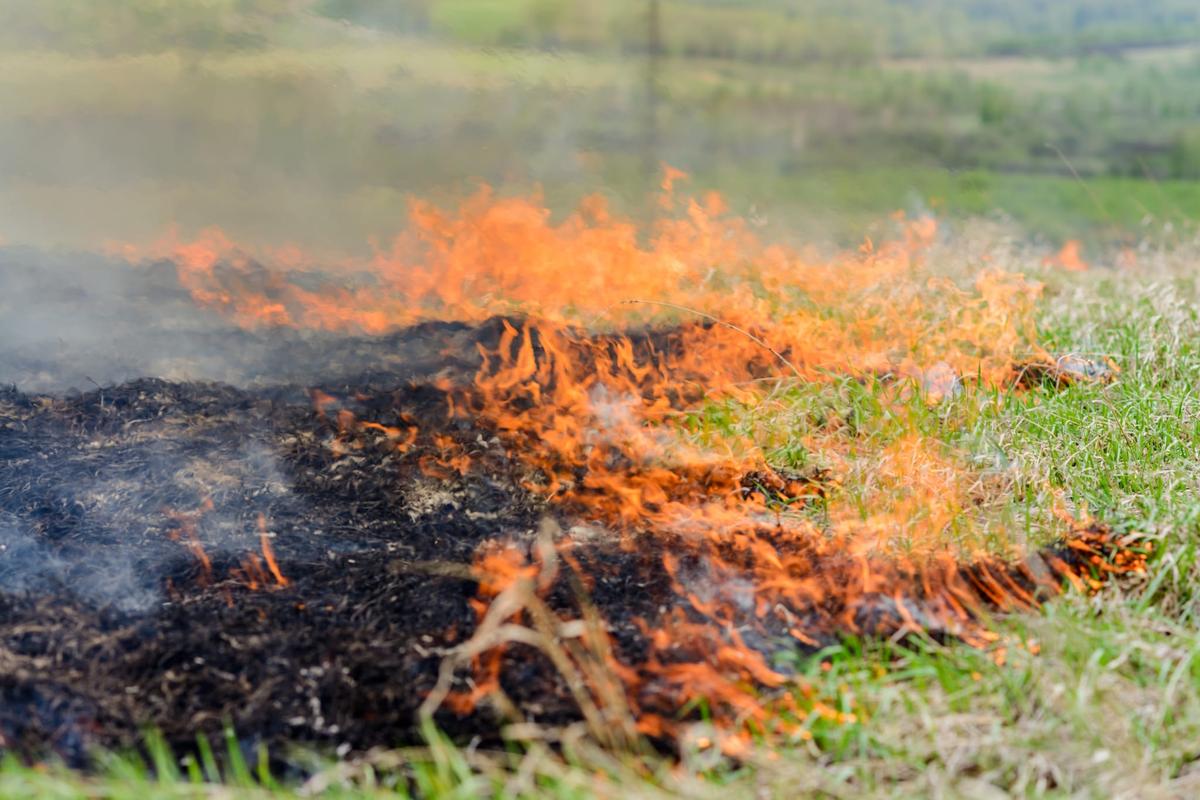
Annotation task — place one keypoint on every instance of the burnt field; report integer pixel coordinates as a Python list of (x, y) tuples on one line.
[(628, 399), (297, 559)]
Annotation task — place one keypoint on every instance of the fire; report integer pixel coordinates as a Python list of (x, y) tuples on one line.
[(612, 340), (1069, 257), (264, 539), (186, 531), (251, 572), (870, 312)]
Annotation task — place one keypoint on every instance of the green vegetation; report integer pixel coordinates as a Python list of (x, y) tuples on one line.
[(784, 31), (791, 31), (283, 122)]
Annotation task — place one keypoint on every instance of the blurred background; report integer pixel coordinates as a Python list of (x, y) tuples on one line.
[(311, 122)]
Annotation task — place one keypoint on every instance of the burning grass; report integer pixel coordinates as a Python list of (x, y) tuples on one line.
[(627, 513)]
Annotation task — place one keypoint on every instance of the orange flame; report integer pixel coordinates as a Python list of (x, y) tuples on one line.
[(869, 312), (1069, 257), (594, 419), (186, 530), (264, 539), (251, 572)]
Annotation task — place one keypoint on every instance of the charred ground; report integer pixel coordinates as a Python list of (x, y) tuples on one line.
[(111, 623)]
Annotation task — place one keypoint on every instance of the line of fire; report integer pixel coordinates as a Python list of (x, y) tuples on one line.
[(474, 481)]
